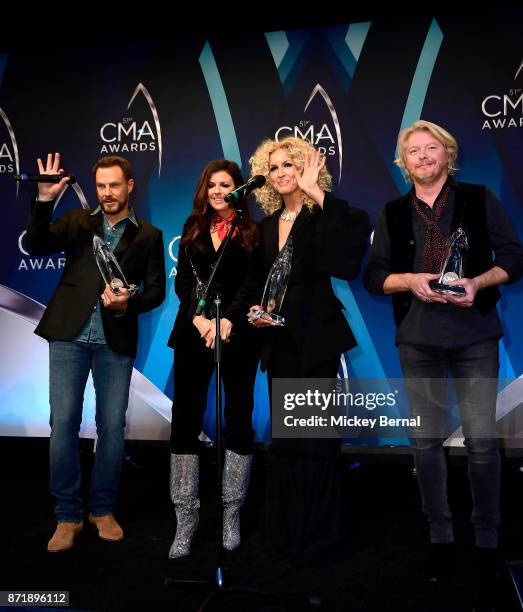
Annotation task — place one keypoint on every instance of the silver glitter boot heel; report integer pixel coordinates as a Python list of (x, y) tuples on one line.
[(236, 473), (184, 495)]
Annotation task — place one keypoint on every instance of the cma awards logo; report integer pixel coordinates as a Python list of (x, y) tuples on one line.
[(9, 159), (134, 134), (324, 135), (505, 110), (172, 256), (29, 263)]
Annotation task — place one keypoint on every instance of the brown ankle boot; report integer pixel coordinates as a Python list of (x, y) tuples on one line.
[(64, 535), (108, 528)]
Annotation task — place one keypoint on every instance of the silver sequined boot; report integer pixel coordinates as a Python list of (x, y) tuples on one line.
[(236, 473), (184, 495)]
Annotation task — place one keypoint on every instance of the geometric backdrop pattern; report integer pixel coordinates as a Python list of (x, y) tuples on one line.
[(170, 107)]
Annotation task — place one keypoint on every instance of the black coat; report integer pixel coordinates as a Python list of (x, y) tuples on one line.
[(139, 252), (235, 295), (326, 242)]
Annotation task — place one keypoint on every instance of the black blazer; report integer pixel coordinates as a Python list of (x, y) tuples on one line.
[(139, 253), (326, 242), (235, 295)]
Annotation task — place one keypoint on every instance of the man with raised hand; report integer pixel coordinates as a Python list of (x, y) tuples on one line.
[(91, 328)]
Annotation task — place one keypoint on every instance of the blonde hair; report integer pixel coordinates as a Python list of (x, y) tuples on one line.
[(446, 139), (267, 197)]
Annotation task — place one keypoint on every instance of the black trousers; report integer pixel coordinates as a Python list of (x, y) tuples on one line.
[(193, 368), (303, 510), (475, 369)]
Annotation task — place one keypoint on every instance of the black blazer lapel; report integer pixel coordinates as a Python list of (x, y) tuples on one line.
[(96, 224), (126, 240), (271, 245), (304, 216)]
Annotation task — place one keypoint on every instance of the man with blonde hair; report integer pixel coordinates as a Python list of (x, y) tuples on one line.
[(442, 333)]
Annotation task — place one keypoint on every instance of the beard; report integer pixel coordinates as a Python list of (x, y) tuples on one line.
[(431, 178), (114, 207)]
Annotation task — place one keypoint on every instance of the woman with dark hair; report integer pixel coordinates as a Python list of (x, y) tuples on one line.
[(303, 517), (193, 339)]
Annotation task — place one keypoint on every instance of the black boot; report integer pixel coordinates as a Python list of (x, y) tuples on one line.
[(440, 564), (487, 565)]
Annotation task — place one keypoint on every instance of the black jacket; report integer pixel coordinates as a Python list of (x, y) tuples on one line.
[(326, 242), (139, 252), (235, 295)]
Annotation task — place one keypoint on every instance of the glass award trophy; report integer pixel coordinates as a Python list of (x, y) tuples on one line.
[(110, 268), (275, 288), (453, 265)]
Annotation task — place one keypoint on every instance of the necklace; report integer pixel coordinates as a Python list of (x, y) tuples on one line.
[(288, 216)]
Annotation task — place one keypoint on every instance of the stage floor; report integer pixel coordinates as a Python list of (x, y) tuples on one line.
[(386, 547)]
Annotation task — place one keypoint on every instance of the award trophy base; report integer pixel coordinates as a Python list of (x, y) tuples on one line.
[(273, 319), (116, 284), (457, 290)]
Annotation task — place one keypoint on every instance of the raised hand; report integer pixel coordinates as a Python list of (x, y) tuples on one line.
[(50, 191), (308, 180)]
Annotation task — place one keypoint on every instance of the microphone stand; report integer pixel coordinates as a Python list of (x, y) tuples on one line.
[(220, 583)]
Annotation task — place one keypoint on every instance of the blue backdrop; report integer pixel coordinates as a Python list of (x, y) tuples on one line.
[(172, 107)]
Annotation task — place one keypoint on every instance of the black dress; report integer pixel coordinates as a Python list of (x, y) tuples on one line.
[(194, 363), (303, 512)]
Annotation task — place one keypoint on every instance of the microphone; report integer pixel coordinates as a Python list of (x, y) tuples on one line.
[(254, 183), (44, 178)]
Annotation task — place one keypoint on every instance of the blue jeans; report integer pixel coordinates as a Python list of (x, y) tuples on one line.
[(69, 366), (475, 369)]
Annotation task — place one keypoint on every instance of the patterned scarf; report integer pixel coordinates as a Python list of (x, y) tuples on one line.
[(435, 247), (222, 226)]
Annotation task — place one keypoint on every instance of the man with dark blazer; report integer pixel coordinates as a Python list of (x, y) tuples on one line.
[(92, 329)]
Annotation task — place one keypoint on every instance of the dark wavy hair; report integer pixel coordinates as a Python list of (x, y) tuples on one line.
[(199, 220)]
